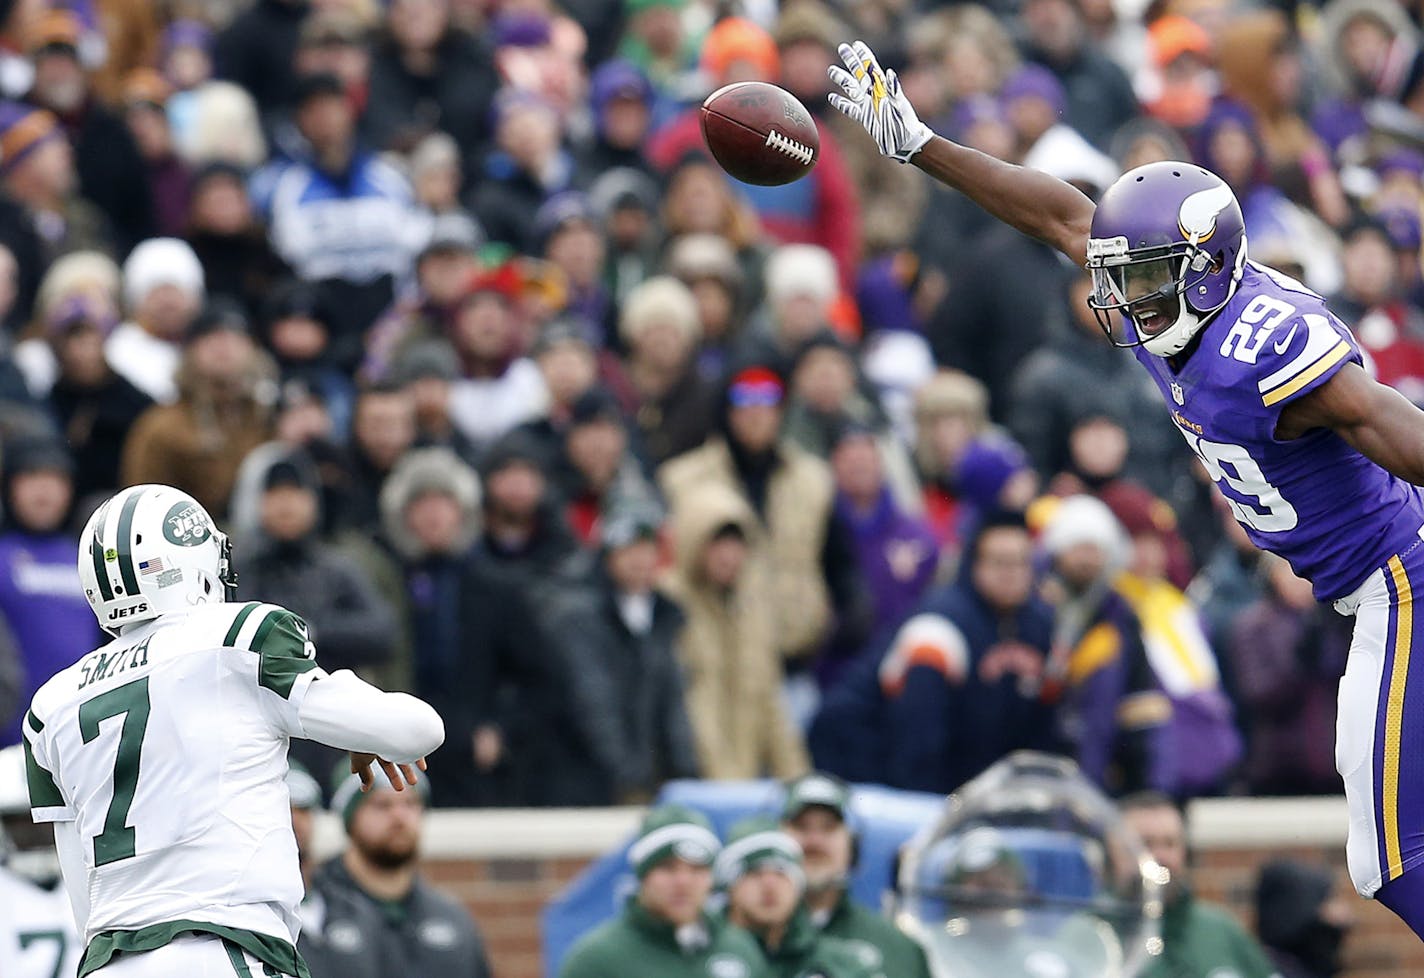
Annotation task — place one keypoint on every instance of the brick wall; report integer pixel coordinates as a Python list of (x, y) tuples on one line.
[(506, 894)]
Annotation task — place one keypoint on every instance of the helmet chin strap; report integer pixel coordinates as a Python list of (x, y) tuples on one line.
[(1175, 337)]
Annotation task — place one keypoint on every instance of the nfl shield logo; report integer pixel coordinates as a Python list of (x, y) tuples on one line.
[(1177, 394)]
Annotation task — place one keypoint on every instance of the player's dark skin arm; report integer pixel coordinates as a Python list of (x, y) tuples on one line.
[(1035, 203), (1377, 421)]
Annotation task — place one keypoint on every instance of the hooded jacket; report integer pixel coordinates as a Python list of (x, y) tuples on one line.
[(728, 648), (791, 531)]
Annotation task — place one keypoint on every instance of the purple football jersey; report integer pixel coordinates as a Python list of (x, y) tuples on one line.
[(1314, 500)]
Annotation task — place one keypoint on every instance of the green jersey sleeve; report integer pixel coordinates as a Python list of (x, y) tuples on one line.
[(281, 640)]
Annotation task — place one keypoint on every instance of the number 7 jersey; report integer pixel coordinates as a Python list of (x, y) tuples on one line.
[(1314, 500), (168, 750)]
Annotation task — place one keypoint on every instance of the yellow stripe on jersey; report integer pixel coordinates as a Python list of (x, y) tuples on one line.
[(1394, 718), (1338, 353)]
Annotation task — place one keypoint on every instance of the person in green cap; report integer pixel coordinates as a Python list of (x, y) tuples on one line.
[(665, 930), (816, 814), (762, 871), (1199, 939)]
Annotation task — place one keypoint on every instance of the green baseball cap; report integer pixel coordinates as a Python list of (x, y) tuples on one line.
[(756, 842)]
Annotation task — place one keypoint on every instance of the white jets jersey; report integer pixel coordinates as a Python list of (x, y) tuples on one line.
[(168, 750), (37, 935)]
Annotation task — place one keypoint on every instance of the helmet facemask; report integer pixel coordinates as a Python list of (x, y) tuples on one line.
[(1150, 289)]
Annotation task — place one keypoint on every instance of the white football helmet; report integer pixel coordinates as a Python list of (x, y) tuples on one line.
[(150, 550)]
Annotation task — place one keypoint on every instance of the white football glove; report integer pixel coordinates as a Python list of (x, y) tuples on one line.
[(874, 99)]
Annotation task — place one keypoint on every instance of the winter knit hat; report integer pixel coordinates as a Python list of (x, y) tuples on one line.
[(302, 787), (759, 842), (161, 261), (738, 39), (673, 832), (23, 129), (348, 797)]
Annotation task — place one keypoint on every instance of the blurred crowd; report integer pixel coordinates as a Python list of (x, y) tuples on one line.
[(636, 472)]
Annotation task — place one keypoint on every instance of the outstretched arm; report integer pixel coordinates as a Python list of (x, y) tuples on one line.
[(1035, 203), (1376, 420)]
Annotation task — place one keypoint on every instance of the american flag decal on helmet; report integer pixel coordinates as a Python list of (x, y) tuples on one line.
[(151, 566)]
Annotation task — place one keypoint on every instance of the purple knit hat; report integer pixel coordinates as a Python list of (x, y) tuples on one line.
[(1035, 81), (986, 467)]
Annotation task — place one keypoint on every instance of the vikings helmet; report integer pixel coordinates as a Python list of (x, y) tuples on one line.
[(1166, 250)]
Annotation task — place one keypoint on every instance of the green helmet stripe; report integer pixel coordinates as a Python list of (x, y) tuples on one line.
[(126, 568), (96, 552)]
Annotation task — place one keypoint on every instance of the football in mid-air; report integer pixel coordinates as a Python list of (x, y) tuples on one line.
[(760, 133)]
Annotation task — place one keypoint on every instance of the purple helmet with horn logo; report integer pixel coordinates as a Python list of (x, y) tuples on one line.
[(1166, 250)]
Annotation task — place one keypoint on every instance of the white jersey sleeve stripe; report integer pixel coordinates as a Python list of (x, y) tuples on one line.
[(1341, 350), (254, 621), (1321, 339)]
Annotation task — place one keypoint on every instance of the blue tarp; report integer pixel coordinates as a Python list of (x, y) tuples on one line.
[(884, 819)]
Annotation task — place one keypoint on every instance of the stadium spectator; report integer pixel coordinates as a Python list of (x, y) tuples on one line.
[(257, 50), (524, 533), (39, 176), (1388, 324), (567, 235), (1098, 452), (498, 388), (144, 95), (951, 411), (957, 688), (1098, 95), (430, 518), (223, 411), (1260, 60), (163, 292), (296, 330), (94, 407), (619, 635), (728, 647), (621, 98), (525, 168), (444, 269), (106, 159), (39, 597), (1287, 654), (1302, 918), (375, 898), (818, 815), (801, 292), (1076, 373), (762, 871), (896, 552), (382, 430), (338, 215), (1199, 939), (229, 239), (427, 75), (664, 930), (427, 370), (675, 405), (803, 551), (598, 473), (1111, 712), (86, 281), (286, 559), (707, 264)]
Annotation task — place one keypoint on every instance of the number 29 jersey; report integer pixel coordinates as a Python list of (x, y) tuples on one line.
[(168, 749), (1314, 500)]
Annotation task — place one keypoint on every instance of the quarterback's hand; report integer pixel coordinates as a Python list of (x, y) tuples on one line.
[(874, 99), (399, 775)]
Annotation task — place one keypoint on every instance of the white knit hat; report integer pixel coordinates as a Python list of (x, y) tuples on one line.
[(661, 298), (1086, 519), (801, 269), (161, 261)]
